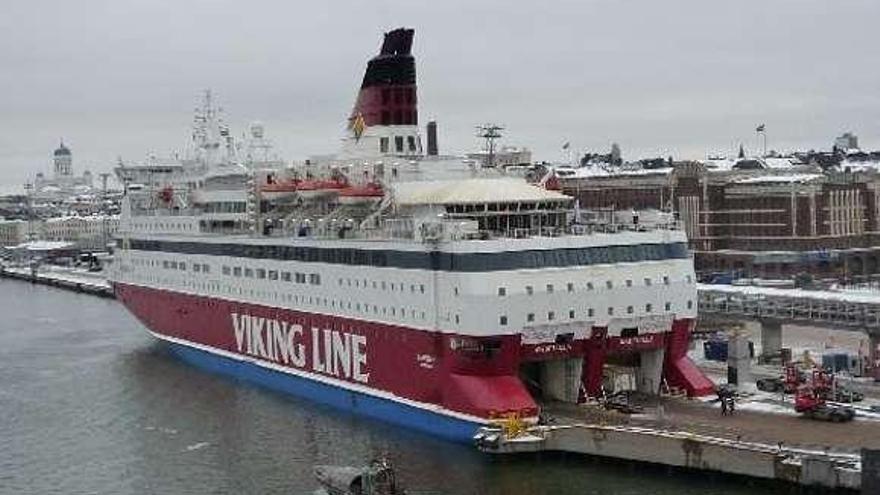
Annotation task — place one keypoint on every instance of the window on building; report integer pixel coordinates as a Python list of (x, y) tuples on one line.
[(551, 315), (530, 317), (647, 281), (411, 143), (457, 319), (590, 312), (549, 288), (315, 278), (398, 144), (609, 284), (648, 308), (570, 287), (197, 268), (629, 283), (236, 271), (285, 276), (610, 311), (668, 306), (690, 304), (589, 285), (422, 288), (503, 320), (570, 314), (530, 290), (502, 291), (383, 145), (628, 333), (261, 273), (665, 279), (249, 272), (629, 310), (273, 274), (181, 266), (206, 268), (300, 278)]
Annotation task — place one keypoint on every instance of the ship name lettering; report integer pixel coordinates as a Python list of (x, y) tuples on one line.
[(334, 353)]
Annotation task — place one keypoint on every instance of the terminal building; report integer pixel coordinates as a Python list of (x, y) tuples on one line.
[(753, 217)]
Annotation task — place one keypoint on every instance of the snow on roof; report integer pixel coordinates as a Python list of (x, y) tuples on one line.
[(495, 190), (777, 163), (860, 166), (44, 245), (823, 295), (780, 179), (597, 171)]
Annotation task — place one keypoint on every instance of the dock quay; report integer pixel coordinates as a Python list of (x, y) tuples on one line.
[(66, 279), (849, 472)]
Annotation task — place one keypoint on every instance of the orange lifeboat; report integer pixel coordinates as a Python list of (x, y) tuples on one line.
[(305, 188), (363, 193)]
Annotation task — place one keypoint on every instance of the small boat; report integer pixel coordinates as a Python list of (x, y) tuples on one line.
[(377, 478)]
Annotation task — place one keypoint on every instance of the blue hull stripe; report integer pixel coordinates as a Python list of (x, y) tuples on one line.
[(447, 427)]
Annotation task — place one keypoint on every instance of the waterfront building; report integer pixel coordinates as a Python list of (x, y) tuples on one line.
[(758, 217)]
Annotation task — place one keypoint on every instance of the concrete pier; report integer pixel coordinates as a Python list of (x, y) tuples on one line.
[(771, 338), (686, 450), (70, 281)]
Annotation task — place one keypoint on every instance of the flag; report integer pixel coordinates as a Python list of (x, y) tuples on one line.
[(760, 128), (566, 145)]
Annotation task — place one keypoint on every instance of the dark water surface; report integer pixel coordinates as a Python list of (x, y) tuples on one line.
[(90, 403)]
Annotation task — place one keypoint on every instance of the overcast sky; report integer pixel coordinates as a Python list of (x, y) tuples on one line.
[(679, 77)]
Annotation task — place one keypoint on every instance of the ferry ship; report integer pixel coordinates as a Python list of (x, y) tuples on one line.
[(425, 290)]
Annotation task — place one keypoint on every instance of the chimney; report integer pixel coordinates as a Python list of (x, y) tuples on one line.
[(432, 138)]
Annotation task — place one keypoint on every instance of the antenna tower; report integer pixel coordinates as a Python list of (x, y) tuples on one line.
[(489, 133)]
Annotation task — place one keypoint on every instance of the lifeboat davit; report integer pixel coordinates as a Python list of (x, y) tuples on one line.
[(370, 192)]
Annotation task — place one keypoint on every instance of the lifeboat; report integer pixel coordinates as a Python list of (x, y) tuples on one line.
[(370, 192), (304, 188)]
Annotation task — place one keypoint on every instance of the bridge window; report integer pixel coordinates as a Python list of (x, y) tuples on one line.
[(503, 320), (570, 314), (551, 316), (590, 312), (629, 310), (648, 308), (502, 291), (530, 317), (668, 306)]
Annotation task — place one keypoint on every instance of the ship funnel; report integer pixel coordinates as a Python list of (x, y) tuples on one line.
[(432, 138), (388, 92)]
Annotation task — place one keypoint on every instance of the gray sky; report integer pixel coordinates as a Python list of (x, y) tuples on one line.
[(680, 77)]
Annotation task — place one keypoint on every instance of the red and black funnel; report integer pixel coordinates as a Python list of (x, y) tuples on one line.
[(388, 92)]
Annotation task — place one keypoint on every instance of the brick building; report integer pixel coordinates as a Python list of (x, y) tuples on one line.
[(768, 218)]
